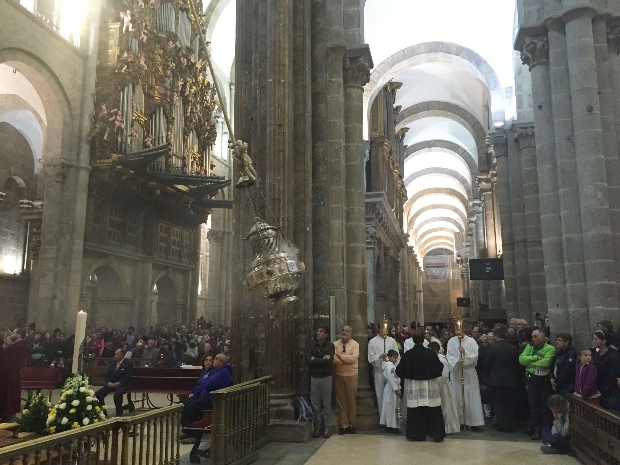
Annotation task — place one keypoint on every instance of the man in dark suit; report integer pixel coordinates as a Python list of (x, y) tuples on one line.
[(502, 372), (117, 380)]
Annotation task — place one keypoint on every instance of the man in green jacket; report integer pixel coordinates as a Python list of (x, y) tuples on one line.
[(537, 359)]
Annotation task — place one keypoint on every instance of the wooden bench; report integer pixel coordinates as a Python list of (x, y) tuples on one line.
[(40, 378), (169, 381)]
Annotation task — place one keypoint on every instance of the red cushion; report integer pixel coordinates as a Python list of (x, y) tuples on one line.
[(204, 423)]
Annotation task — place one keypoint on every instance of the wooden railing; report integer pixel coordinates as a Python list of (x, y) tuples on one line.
[(150, 438), (594, 433), (240, 421)]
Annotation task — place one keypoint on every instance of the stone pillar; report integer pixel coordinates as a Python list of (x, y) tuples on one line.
[(481, 250), (371, 260), (65, 197), (519, 230), (356, 71), (500, 147), (536, 55), (598, 246), (488, 203), (608, 124), (568, 188), (524, 136)]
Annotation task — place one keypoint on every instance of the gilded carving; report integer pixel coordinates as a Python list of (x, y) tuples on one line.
[(157, 90)]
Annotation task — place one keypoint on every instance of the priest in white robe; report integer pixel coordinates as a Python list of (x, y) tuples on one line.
[(391, 394), (448, 405), (377, 353), (466, 365)]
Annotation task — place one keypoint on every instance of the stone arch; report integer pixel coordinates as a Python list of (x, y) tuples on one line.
[(451, 208), (167, 300), (423, 244), (435, 190), (105, 293), (53, 96), (22, 189), (450, 111), (419, 53), (15, 103), (466, 183), (446, 219), (212, 14), (432, 231), (439, 245), (443, 145)]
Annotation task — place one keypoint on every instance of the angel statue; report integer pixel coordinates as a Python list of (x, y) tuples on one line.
[(248, 173)]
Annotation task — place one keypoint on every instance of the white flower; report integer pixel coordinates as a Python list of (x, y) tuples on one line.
[(25, 411), (62, 406), (50, 420), (89, 407), (89, 399), (69, 392), (86, 421), (48, 404), (64, 421), (102, 416), (82, 389), (75, 403), (91, 392)]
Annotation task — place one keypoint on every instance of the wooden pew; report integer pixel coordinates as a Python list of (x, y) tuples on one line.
[(40, 378), (169, 381)]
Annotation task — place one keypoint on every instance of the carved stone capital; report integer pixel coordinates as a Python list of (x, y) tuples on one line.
[(485, 183), (524, 134), (392, 87), (400, 135), (535, 51), (357, 65)]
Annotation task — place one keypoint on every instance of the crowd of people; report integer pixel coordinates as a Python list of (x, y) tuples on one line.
[(508, 375), (164, 345)]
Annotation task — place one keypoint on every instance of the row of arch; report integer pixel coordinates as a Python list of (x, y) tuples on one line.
[(450, 97)]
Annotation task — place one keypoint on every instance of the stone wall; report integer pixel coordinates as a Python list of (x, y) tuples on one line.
[(13, 299)]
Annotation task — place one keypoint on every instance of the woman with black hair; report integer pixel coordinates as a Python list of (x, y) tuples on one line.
[(607, 361)]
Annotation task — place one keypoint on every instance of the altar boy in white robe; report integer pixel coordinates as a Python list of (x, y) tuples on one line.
[(474, 416), (448, 406), (391, 394), (377, 354)]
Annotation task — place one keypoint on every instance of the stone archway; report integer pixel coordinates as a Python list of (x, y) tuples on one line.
[(165, 301), (104, 297)]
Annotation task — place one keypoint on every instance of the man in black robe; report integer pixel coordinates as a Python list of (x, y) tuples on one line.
[(420, 369)]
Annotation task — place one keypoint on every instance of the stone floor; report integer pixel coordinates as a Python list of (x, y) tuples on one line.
[(377, 447)]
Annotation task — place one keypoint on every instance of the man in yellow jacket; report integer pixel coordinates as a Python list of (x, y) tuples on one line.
[(346, 355), (537, 358)]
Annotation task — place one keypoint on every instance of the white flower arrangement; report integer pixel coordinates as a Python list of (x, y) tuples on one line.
[(83, 407)]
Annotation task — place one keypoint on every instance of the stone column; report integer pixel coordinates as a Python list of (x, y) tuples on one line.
[(481, 249), (519, 230), (613, 49), (564, 144), (608, 124), (371, 260), (598, 247), (356, 72), (500, 147), (536, 55), (488, 203), (524, 136)]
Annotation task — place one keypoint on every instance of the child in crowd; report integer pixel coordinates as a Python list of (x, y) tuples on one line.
[(391, 393), (585, 378), (555, 438)]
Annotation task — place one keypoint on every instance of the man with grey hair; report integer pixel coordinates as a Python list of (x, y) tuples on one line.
[(537, 359)]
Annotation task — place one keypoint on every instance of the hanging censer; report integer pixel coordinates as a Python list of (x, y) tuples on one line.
[(276, 272)]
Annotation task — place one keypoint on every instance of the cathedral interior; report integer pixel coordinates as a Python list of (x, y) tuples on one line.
[(392, 142)]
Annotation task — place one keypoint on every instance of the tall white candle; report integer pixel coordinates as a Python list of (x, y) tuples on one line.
[(80, 335)]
